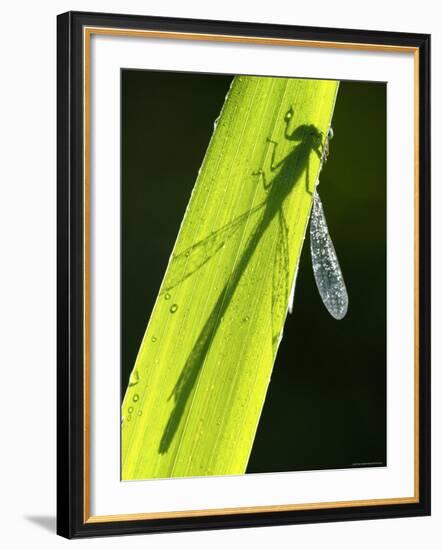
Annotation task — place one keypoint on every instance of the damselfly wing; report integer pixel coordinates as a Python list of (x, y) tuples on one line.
[(326, 269), (190, 260)]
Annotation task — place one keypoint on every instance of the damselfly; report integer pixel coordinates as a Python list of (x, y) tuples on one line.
[(326, 269)]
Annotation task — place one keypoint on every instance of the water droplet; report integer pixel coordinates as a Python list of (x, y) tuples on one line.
[(129, 417), (140, 413), (130, 410), (134, 378), (173, 308), (246, 319), (288, 115), (167, 296), (135, 398), (187, 254), (154, 338)]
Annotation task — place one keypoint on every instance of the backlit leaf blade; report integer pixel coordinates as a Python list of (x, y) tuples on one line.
[(199, 383)]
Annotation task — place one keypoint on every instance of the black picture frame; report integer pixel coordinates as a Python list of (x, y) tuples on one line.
[(72, 516)]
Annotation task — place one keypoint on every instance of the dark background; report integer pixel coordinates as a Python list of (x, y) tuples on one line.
[(327, 407)]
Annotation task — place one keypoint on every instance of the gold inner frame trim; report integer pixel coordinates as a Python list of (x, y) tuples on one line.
[(87, 34)]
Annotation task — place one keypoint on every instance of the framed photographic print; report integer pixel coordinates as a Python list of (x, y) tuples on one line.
[(243, 274)]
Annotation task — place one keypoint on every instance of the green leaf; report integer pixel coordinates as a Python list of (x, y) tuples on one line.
[(199, 383)]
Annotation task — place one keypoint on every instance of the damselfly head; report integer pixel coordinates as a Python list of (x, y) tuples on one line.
[(326, 146), (308, 134)]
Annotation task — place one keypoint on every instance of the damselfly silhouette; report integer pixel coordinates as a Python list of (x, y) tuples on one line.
[(325, 264), (286, 174)]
